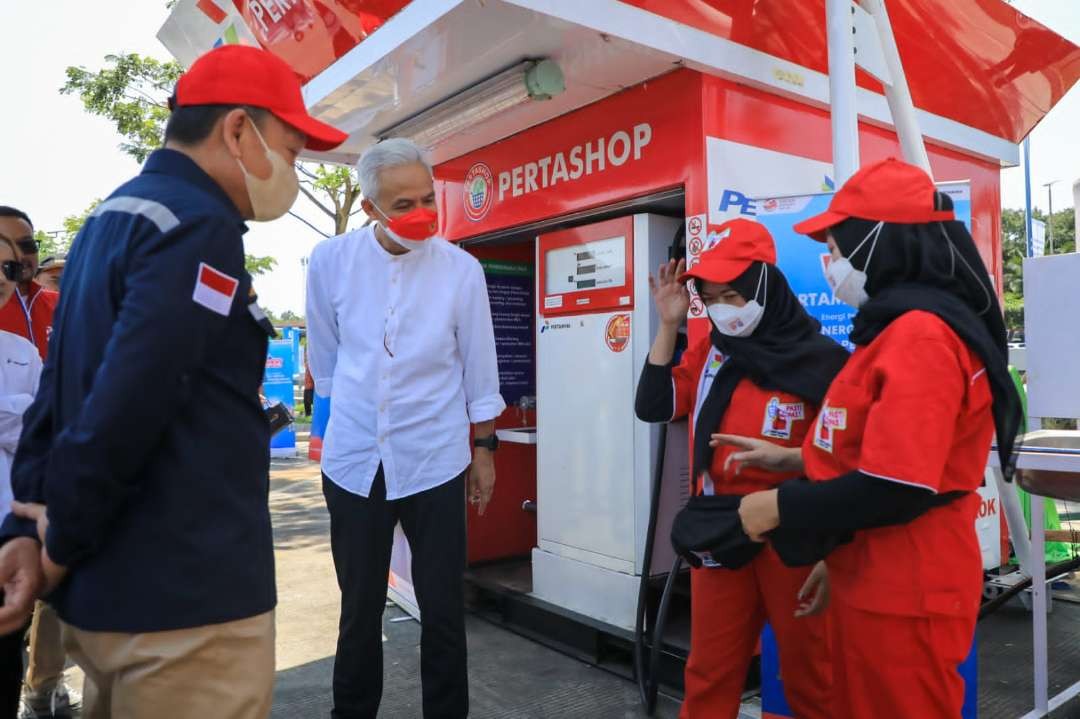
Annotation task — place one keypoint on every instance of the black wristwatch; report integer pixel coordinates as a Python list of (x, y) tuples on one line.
[(491, 442)]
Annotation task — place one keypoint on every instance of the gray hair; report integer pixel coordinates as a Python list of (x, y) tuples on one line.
[(392, 152)]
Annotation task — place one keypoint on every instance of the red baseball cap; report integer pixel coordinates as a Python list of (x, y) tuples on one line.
[(740, 243), (244, 75), (890, 190)]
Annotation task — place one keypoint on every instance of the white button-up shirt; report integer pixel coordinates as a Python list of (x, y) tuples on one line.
[(404, 346), (20, 370)]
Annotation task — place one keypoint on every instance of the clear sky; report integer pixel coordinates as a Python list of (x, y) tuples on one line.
[(56, 158)]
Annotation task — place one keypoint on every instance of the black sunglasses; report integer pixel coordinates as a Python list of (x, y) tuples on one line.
[(11, 269), (27, 246)]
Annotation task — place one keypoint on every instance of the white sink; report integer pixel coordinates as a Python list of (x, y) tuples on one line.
[(1046, 480), (519, 435)]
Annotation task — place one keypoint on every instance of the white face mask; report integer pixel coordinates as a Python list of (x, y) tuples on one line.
[(849, 284), (739, 321), (273, 197)]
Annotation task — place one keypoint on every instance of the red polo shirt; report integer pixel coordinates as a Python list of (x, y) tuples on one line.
[(911, 407), (32, 316)]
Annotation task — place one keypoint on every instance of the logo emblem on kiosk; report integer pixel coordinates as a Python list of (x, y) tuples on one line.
[(829, 420), (479, 191), (779, 416), (617, 332)]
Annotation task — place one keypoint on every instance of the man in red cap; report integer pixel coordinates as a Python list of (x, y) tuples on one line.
[(143, 464)]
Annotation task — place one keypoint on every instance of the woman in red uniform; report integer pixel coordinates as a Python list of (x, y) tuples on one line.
[(762, 371), (900, 445)]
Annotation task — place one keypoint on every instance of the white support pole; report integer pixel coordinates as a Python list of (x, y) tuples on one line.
[(1014, 520), (845, 119), (897, 93), (1038, 607)]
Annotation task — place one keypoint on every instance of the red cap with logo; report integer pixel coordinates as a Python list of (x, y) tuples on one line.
[(887, 191), (740, 243), (243, 75)]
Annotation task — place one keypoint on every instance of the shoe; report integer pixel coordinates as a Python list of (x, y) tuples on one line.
[(60, 703)]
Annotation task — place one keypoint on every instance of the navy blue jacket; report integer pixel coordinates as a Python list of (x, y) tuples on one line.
[(147, 441)]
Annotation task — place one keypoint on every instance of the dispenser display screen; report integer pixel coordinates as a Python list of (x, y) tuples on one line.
[(590, 266)]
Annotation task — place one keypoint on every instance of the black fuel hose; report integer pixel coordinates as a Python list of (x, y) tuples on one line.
[(645, 686), (653, 686), (1069, 565)]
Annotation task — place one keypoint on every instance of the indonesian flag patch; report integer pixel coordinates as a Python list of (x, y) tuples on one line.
[(214, 289)]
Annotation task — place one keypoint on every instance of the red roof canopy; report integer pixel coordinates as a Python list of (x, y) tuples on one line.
[(979, 62)]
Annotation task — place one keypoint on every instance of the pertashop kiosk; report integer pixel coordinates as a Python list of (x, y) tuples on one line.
[(580, 143)]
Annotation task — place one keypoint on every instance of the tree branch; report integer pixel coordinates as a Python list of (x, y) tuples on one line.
[(306, 172), (308, 223), (321, 206)]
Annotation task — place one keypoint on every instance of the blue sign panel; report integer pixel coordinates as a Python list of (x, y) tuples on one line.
[(278, 387), (803, 260)]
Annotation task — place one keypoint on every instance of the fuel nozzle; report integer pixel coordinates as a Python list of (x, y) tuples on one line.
[(524, 404)]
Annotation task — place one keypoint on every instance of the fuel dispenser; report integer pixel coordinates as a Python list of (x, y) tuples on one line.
[(595, 460)]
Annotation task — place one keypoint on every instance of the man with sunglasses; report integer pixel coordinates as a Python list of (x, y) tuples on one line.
[(29, 312)]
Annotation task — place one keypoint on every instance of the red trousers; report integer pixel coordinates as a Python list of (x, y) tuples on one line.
[(728, 609), (897, 667)]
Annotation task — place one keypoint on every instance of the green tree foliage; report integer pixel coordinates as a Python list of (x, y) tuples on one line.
[(132, 91), (259, 265)]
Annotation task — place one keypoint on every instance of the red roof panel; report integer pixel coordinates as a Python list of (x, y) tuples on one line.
[(979, 62)]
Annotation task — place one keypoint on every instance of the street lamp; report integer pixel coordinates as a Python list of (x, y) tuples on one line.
[(303, 278), (1050, 217)]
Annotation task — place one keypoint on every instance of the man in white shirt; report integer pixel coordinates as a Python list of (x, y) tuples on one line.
[(400, 337)]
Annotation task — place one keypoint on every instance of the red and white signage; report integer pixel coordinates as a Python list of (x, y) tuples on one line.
[(633, 143)]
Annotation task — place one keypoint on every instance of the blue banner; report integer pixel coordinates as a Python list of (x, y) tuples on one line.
[(278, 387), (803, 260), (293, 334)]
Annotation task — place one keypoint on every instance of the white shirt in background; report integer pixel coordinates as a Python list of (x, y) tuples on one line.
[(404, 346), (20, 370)]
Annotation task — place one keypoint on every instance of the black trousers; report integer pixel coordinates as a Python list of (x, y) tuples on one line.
[(361, 537), (11, 671)]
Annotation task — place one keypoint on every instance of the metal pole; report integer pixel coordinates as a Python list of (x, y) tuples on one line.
[(1014, 520), (1027, 198), (1050, 217), (303, 282), (901, 106), (1038, 606), (845, 119)]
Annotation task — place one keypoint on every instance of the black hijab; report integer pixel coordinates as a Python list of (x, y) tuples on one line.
[(935, 267), (786, 353)]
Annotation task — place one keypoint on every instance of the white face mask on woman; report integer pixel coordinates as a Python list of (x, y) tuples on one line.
[(273, 197), (740, 321), (849, 284)]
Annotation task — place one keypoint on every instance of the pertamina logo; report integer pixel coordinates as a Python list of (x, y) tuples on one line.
[(548, 325), (479, 191)]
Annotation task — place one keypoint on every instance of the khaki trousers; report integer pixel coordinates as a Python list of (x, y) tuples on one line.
[(218, 671), (47, 656)]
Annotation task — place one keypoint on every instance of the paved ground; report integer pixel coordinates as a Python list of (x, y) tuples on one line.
[(515, 677), (510, 676)]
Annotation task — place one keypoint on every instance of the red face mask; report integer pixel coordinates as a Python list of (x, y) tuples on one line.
[(414, 226)]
